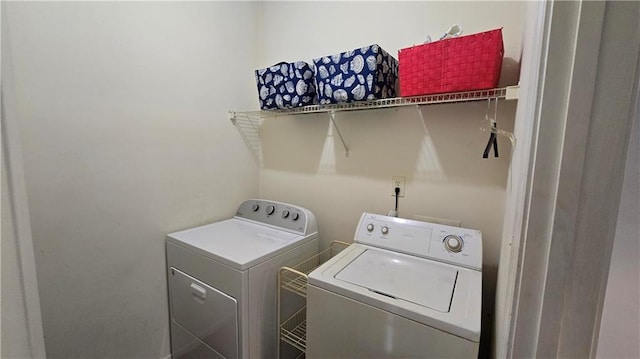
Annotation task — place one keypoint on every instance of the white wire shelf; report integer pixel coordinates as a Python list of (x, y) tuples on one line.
[(294, 279), (248, 122), (294, 330), (509, 93)]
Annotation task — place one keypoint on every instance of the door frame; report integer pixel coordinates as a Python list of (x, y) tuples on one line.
[(559, 236)]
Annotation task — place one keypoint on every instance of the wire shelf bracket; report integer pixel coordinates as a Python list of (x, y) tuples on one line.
[(421, 118), (248, 125), (332, 116)]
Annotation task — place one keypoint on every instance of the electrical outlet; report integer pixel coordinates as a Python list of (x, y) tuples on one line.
[(398, 181)]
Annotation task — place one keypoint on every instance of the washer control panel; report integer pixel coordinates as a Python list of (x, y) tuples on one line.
[(277, 214), (455, 245)]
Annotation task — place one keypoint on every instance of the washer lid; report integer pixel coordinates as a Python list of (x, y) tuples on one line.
[(237, 243), (415, 280), (462, 318)]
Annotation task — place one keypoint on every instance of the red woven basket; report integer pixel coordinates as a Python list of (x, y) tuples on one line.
[(464, 63)]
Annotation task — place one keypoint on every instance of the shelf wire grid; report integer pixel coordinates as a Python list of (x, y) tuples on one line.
[(294, 279), (497, 93), (249, 127), (294, 330)]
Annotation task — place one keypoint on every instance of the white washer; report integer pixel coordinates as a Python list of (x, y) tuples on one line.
[(404, 289), (223, 279)]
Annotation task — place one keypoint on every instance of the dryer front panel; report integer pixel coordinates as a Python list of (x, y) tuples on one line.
[(207, 313)]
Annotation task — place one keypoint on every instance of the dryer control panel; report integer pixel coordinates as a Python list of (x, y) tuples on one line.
[(277, 214), (455, 245)]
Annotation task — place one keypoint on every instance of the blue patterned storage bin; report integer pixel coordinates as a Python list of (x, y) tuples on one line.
[(364, 74), (286, 85)]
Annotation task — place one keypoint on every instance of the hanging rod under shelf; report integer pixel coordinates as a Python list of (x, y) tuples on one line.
[(508, 93)]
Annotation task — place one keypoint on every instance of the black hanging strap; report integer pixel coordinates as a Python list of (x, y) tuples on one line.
[(493, 138), (493, 141)]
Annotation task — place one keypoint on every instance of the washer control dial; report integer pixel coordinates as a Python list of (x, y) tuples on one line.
[(285, 214), (384, 230), (370, 227), (295, 216), (255, 207), (453, 243), (270, 209)]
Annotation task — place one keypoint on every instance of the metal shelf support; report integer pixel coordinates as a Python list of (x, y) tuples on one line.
[(332, 116), (248, 124), (421, 117)]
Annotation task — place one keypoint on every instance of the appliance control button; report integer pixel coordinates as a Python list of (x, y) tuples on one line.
[(384, 229), (453, 243), (270, 209), (285, 214), (256, 207), (370, 227), (295, 216)]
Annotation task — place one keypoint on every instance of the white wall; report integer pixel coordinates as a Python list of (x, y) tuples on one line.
[(15, 330), (620, 324), (446, 176), (122, 112), (21, 334)]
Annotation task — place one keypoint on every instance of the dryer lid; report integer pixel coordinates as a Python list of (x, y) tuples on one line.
[(238, 243), (423, 282)]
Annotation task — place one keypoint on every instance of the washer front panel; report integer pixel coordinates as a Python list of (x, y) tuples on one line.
[(340, 327)]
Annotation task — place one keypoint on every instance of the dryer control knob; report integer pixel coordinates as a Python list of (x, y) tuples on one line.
[(270, 209), (285, 214), (370, 227), (384, 230), (453, 243), (295, 216), (256, 207)]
